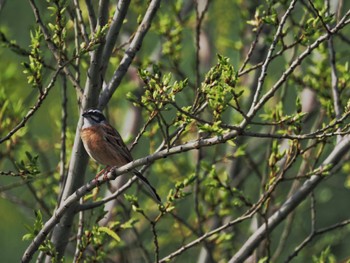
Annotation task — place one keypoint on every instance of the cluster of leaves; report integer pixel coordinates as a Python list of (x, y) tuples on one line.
[(102, 239), (159, 91), (47, 247), (58, 29), (30, 167), (35, 66), (219, 87), (288, 123)]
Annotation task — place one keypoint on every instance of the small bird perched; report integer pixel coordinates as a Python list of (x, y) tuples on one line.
[(105, 145)]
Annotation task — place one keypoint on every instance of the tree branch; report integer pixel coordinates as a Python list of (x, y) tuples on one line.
[(129, 55), (75, 177), (113, 32), (291, 203), (37, 105), (269, 54)]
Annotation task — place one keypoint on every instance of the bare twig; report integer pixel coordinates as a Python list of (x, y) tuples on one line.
[(319, 16), (334, 76), (80, 234), (315, 233), (199, 21), (155, 240), (63, 153), (270, 52), (251, 49)]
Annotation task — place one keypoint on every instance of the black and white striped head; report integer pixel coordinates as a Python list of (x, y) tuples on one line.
[(93, 117)]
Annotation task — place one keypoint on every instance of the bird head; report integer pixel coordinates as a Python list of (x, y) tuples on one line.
[(93, 117)]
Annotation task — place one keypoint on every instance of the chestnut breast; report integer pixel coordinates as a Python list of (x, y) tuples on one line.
[(99, 149)]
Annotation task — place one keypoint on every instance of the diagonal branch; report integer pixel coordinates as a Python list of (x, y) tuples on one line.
[(37, 105), (270, 52), (315, 233), (291, 203), (70, 201), (53, 48), (113, 32), (269, 94), (129, 55)]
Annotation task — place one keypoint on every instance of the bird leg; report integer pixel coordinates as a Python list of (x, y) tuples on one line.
[(100, 172), (107, 170)]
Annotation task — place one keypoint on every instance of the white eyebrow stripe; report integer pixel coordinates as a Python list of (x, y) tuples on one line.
[(95, 111)]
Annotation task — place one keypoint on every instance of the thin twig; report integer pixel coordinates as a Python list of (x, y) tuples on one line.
[(270, 52), (319, 16), (335, 90), (54, 49), (315, 233), (155, 241), (63, 152), (37, 105), (251, 49), (80, 20)]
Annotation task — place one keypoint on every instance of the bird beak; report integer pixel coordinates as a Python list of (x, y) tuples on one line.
[(85, 114)]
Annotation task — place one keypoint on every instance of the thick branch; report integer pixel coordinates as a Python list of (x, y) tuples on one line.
[(129, 55), (113, 32), (75, 177)]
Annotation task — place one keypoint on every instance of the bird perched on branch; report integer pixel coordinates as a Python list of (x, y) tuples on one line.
[(105, 145)]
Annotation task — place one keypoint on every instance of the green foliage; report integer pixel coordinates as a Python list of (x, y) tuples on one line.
[(170, 28), (38, 224), (9, 112), (159, 91), (325, 257), (29, 168), (219, 87), (57, 10), (35, 66)]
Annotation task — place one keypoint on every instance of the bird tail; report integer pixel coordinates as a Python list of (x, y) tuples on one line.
[(151, 189)]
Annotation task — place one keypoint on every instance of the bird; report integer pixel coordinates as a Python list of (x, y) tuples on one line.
[(104, 145)]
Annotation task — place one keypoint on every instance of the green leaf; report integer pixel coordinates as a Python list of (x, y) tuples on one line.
[(110, 232)]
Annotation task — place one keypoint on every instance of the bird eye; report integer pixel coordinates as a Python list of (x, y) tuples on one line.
[(95, 118)]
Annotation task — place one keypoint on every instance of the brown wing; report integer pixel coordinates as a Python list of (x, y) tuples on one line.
[(113, 137), (115, 140)]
